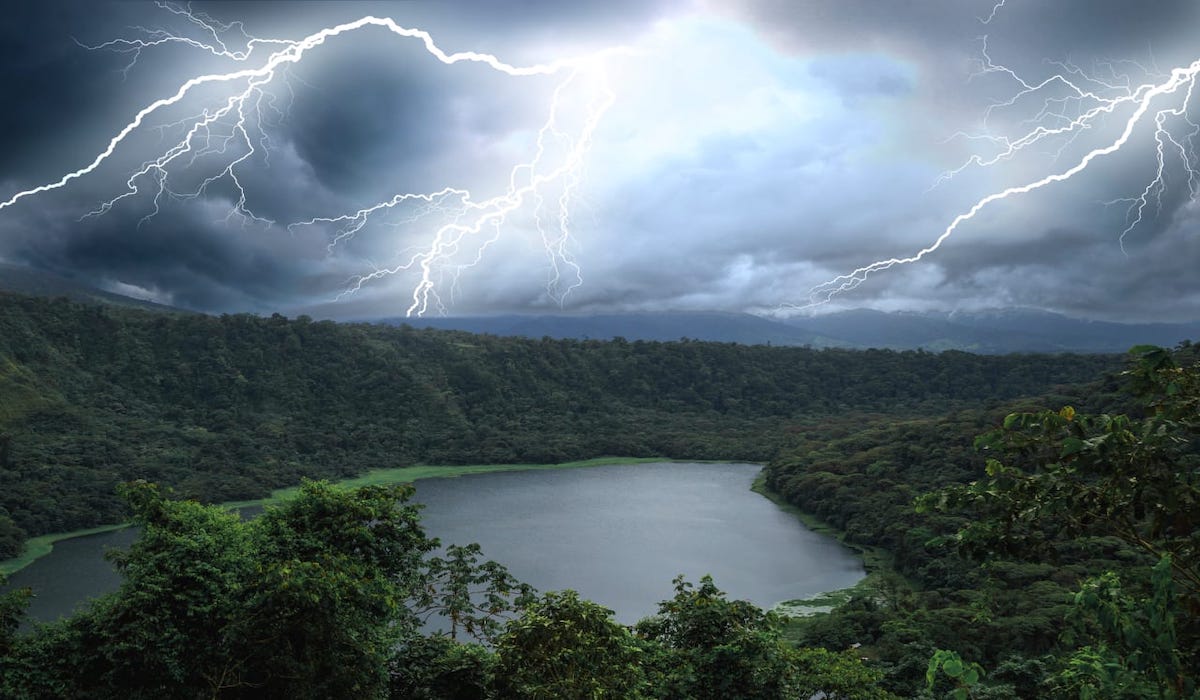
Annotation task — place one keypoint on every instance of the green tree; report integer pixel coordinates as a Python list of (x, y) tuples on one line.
[(1064, 474), (564, 647), (719, 648), (309, 600), (439, 668), (473, 597), (326, 601), (12, 607)]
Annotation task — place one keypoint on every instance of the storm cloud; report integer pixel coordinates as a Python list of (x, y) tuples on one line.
[(754, 149)]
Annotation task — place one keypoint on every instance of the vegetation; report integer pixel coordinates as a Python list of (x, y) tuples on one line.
[(1053, 556), (228, 408), (1064, 564), (323, 596)]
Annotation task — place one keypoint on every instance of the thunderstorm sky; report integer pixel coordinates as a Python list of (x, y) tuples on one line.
[(753, 149)]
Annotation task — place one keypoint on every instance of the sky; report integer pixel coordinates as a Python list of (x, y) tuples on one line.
[(614, 155)]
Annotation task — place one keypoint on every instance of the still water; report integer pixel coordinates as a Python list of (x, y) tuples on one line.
[(616, 534)]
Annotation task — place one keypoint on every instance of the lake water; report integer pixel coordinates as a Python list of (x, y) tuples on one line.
[(616, 534)]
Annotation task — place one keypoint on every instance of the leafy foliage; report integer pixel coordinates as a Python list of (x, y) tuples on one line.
[(322, 597), (228, 408), (1066, 474), (1074, 474), (565, 647), (964, 674), (1061, 556), (309, 600), (717, 648), (474, 597), (995, 563)]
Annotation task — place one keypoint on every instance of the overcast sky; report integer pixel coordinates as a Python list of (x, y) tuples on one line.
[(738, 154)]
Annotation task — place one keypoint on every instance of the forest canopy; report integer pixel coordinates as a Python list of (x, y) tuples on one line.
[(231, 407), (1030, 522)]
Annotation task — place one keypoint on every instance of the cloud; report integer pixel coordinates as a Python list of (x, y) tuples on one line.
[(755, 149)]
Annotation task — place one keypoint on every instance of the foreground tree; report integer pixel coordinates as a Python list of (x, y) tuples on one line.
[(1061, 474), (309, 600), (718, 648), (564, 647), (325, 596)]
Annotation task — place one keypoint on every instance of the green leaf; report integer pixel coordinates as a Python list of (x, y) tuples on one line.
[(1072, 445)]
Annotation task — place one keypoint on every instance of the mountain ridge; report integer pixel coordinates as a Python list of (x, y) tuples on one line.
[(997, 331), (991, 331)]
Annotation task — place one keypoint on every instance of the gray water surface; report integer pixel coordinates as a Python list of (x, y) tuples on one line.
[(617, 534)]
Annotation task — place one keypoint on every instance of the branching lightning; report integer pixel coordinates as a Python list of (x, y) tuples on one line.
[(1070, 104), (527, 182), (233, 132), (992, 15)]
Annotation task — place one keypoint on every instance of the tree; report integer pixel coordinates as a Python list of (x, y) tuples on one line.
[(12, 538), (309, 600), (439, 668), (326, 601), (719, 648), (565, 647), (1058, 474), (472, 597), (12, 607)]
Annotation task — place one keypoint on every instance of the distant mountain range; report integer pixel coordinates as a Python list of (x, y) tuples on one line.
[(38, 283), (989, 332)]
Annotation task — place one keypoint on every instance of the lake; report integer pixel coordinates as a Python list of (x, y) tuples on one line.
[(618, 534)]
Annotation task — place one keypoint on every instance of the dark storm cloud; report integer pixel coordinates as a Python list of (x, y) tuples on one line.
[(1042, 30), (1075, 271), (1055, 249), (185, 256), (50, 84), (756, 147), (366, 118)]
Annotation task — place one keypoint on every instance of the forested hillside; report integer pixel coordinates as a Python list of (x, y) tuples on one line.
[(1039, 559), (1054, 556), (229, 407)]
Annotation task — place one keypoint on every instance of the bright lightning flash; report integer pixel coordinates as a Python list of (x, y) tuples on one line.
[(1070, 105), (233, 131)]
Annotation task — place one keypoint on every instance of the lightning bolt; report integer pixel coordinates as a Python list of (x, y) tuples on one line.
[(234, 132), (1072, 103), (992, 15), (527, 182)]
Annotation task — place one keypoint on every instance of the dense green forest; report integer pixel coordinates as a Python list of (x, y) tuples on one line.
[(1026, 521), (228, 408), (1034, 520)]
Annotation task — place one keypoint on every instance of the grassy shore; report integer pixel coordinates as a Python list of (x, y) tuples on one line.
[(42, 545), (407, 475), (875, 561)]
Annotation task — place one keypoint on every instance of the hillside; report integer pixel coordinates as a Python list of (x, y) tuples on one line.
[(20, 279), (223, 408), (226, 407), (714, 327)]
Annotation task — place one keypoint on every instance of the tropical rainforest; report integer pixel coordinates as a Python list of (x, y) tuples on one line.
[(1031, 521)]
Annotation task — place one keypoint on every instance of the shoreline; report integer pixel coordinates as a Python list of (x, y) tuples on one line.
[(875, 561), (41, 545)]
